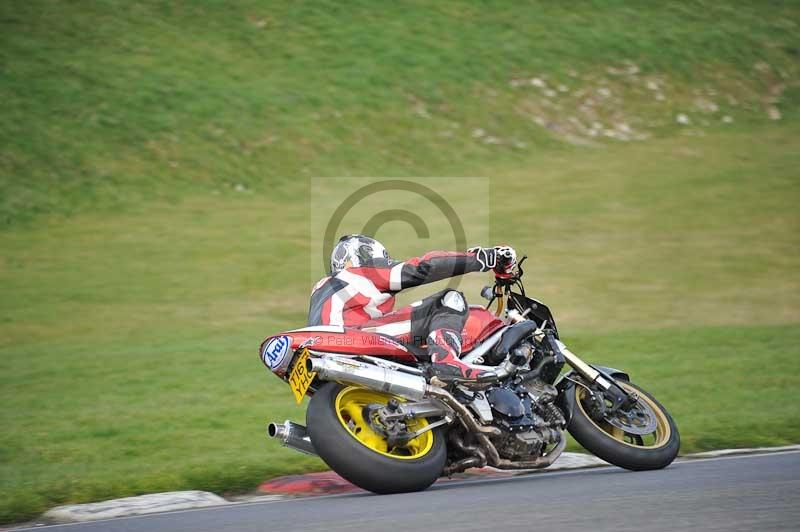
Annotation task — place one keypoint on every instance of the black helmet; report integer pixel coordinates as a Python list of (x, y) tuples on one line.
[(353, 251)]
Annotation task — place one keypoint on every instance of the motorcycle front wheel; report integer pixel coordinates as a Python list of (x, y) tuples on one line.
[(642, 438), (348, 443)]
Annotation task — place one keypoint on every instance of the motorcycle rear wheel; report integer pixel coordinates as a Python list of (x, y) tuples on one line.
[(349, 445), (613, 444)]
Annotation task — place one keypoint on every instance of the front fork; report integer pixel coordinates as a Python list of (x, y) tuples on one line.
[(611, 391)]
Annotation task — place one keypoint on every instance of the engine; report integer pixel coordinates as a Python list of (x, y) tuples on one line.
[(525, 414)]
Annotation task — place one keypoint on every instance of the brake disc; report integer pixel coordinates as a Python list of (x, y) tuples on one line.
[(395, 431), (639, 419)]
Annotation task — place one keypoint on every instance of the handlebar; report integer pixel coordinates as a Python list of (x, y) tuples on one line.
[(502, 287)]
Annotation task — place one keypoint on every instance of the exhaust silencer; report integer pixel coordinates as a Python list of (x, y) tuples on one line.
[(291, 435), (349, 371)]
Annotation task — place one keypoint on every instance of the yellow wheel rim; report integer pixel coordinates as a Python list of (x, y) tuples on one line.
[(657, 439), (350, 403)]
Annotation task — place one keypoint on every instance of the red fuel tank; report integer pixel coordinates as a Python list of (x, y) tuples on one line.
[(480, 325)]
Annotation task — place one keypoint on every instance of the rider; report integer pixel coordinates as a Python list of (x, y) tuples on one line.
[(362, 284)]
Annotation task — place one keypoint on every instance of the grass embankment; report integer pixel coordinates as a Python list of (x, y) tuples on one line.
[(137, 281), (110, 102)]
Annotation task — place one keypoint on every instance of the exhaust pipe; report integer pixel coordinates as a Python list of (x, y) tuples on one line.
[(349, 371), (539, 463), (291, 435)]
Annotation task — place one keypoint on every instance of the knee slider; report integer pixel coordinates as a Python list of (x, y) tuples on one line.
[(454, 300)]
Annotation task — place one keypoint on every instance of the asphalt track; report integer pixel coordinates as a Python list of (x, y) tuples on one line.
[(750, 492)]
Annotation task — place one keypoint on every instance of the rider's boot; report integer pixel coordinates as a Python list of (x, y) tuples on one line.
[(444, 348)]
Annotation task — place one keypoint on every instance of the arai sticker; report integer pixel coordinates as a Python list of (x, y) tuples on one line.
[(275, 351)]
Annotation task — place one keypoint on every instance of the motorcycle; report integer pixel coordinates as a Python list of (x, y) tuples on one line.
[(379, 422)]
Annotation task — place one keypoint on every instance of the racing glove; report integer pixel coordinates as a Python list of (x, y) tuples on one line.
[(501, 259)]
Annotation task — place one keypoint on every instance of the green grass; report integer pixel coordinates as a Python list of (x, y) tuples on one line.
[(110, 102), (138, 282), (128, 342)]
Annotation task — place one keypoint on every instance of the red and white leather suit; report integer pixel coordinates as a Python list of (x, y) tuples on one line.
[(364, 297)]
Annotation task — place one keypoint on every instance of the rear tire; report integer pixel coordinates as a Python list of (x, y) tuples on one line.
[(355, 461), (602, 440)]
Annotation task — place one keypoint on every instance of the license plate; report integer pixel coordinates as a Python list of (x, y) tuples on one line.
[(300, 378)]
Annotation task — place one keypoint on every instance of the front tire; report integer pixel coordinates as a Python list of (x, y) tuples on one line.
[(613, 444), (352, 449)]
